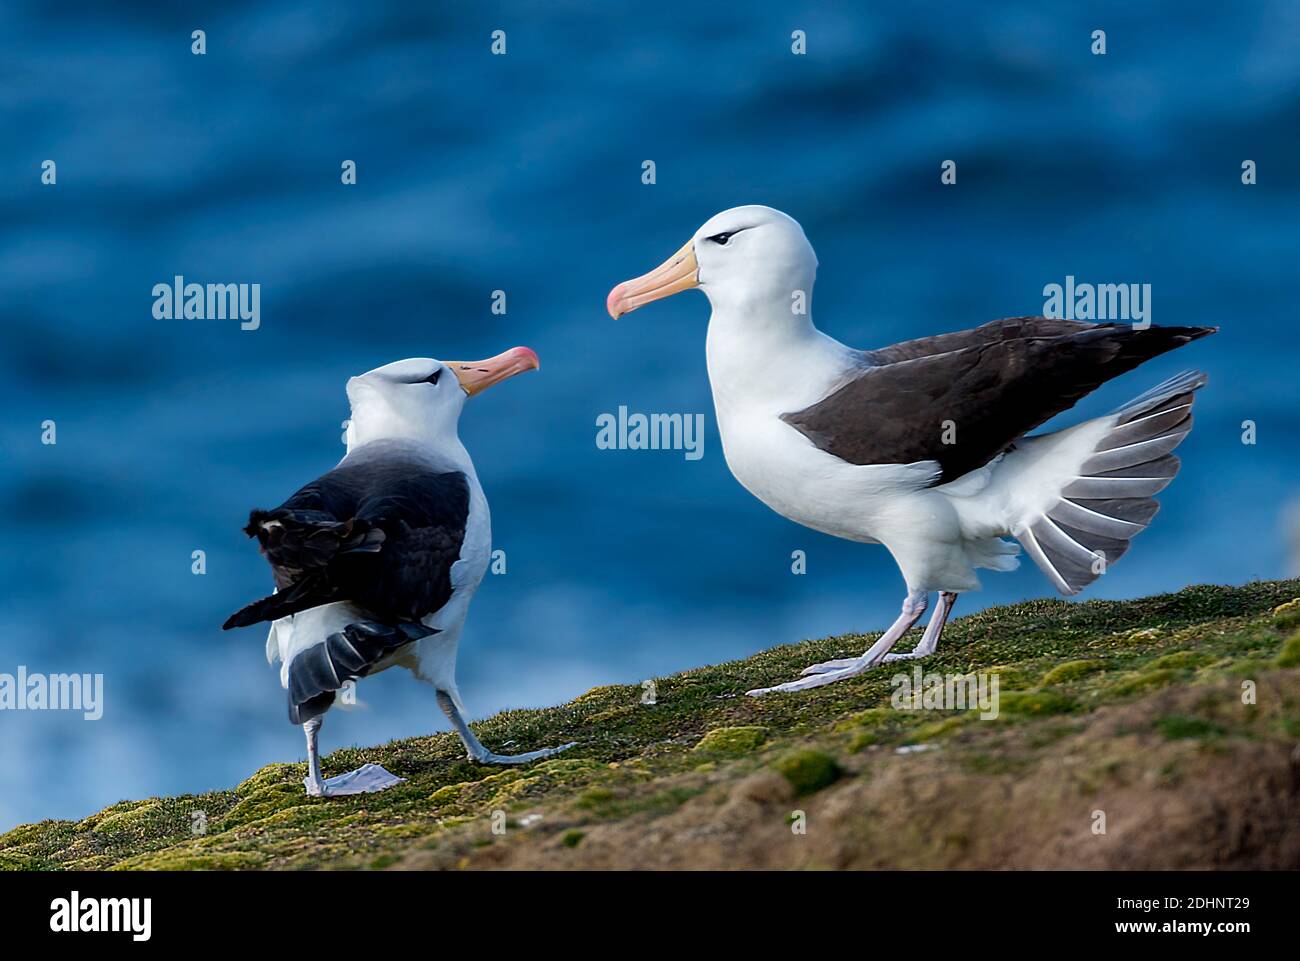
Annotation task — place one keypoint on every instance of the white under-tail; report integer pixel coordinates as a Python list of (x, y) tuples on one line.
[(1075, 498)]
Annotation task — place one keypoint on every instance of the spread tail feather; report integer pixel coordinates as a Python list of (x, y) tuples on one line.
[(316, 673), (1105, 497)]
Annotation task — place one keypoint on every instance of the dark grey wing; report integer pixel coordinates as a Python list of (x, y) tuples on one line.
[(962, 407), (423, 515), (382, 534), (304, 540), (1009, 328)]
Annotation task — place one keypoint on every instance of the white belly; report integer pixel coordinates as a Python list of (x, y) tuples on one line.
[(885, 504), (763, 365), (784, 470)]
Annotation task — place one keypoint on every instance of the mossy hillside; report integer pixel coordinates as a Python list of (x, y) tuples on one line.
[(1061, 666)]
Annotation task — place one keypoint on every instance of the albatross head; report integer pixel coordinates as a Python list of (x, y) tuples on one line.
[(421, 398), (749, 261)]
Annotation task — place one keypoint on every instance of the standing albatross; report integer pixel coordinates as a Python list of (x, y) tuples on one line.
[(375, 561), (921, 446)]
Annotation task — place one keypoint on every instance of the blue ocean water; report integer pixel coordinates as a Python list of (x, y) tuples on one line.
[(523, 173)]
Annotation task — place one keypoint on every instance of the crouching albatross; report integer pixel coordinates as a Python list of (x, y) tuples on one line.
[(375, 561), (921, 446)]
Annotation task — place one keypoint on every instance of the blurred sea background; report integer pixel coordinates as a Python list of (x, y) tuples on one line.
[(523, 173)]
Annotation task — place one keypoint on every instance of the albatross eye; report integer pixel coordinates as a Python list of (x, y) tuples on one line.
[(723, 239), (433, 378)]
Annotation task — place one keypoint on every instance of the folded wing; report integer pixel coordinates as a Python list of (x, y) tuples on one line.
[(381, 533), (961, 399)]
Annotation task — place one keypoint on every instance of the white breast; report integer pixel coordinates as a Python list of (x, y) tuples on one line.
[(756, 376), (467, 573)]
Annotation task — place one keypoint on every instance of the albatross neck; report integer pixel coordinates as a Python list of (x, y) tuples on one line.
[(443, 448), (772, 360)]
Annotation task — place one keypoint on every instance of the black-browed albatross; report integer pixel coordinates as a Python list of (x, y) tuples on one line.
[(921, 446), (375, 562)]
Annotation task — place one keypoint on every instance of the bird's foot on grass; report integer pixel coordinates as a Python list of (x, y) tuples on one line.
[(839, 664), (364, 780), (825, 667), (474, 748), (490, 757), (834, 671), (829, 672)]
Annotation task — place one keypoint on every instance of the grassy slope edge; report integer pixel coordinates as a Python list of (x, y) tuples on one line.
[(1122, 714)]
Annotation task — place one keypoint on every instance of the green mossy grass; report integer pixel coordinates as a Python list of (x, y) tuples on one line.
[(808, 770), (1059, 665)]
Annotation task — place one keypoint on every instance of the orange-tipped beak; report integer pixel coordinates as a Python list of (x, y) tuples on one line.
[(679, 272), (476, 376)]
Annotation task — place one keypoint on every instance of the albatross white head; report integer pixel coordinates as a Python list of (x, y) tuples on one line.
[(757, 269), (421, 398), (753, 263)]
